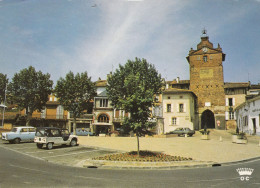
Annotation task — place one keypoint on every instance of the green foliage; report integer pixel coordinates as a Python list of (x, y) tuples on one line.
[(3, 83), (75, 92), (132, 87), (30, 89), (204, 132)]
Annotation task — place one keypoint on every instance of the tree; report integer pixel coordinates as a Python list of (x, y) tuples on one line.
[(30, 90), (75, 94), (3, 85), (132, 87)]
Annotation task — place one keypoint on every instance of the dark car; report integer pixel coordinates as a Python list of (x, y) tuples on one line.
[(183, 131)]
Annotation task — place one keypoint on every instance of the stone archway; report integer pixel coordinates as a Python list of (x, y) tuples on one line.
[(207, 118)]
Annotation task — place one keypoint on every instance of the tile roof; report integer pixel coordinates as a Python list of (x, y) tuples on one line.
[(101, 83), (103, 94), (236, 84), (175, 90)]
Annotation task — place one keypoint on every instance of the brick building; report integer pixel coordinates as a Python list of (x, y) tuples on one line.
[(207, 83)]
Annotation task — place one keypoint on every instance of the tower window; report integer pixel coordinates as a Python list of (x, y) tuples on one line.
[(103, 102), (205, 58)]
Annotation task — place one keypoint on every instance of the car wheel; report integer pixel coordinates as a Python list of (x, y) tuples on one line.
[(11, 141), (49, 146), (17, 141), (179, 135), (39, 145), (73, 142)]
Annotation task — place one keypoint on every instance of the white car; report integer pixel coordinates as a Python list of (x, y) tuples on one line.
[(50, 136), (19, 134)]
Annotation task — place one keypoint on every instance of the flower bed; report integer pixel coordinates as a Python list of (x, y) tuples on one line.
[(145, 156)]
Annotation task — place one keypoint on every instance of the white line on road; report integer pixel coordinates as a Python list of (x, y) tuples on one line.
[(42, 150), (25, 148), (21, 152), (27, 168), (68, 154), (95, 178)]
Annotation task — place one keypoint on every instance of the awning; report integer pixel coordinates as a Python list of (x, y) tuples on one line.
[(106, 124)]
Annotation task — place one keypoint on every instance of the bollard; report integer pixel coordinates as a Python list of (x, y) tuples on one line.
[(220, 139)]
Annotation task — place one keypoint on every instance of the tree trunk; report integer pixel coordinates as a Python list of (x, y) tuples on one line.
[(74, 125), (138, 146), (28, 119)]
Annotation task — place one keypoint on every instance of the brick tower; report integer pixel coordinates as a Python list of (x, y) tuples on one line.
[(207, 82)]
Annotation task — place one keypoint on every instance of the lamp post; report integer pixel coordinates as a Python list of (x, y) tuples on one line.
[(3, 106)]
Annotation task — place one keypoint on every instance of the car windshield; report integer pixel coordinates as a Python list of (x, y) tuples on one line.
[(65, 132), (14, 130), (48, 132), (40, 132)]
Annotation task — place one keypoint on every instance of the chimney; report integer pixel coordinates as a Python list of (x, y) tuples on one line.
[(178, 80)]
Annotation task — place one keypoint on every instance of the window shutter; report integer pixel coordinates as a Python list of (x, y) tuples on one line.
[(177, 121), (170, 121), (235, 117), (226, 101), (165, 108), (184, 107), (233, 101), (227, 116)]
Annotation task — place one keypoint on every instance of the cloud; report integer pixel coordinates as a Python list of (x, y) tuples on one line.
[(127, 30)]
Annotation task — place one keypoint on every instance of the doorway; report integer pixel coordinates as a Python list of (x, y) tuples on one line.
[(208, 119), (254, 125)]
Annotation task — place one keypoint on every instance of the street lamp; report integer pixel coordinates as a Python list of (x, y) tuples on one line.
[(3, 106)]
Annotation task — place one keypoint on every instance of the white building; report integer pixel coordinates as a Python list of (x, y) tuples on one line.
[(248, 116), (178, 109)]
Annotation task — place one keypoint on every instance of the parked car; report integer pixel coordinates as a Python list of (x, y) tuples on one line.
[(50, 136), (183, 131), (19, 134), (84, 132)]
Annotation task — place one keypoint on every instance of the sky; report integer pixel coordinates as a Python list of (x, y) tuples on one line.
[(58, 36)]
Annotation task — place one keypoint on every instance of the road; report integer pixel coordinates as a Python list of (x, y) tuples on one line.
[(18, 168)]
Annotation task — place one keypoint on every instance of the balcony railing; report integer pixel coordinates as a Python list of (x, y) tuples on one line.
[(83, 116), (9, 115), (118, 119), (49, 116)]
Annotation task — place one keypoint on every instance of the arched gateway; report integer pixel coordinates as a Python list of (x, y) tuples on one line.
[(207, 118)]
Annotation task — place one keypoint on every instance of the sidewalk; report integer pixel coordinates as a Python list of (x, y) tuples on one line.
[(219, 149)]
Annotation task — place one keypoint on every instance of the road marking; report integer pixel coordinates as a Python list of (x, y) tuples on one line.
[(59, 149), (84, 177), (24, 148), (68, 154), (21, 152), (16, 166)]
